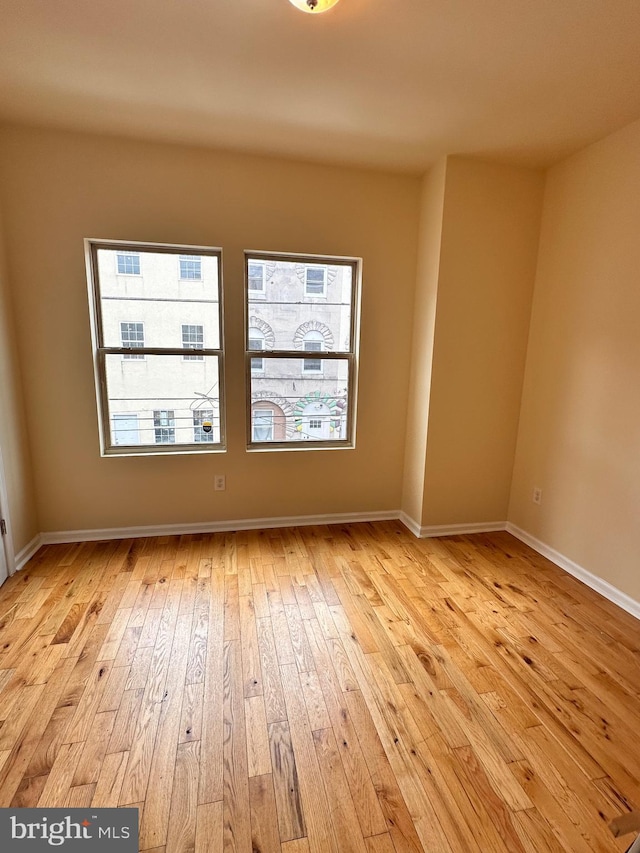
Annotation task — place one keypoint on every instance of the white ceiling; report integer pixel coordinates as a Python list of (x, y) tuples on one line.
[(384, 83)]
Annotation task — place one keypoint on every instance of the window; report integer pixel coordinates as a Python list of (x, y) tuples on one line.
[(263, 424), (132, 336), (256, 276), (313, 342), (203, 425), (193, 338), (163, 393), (128, 263), (256, 342), (308, 363), (164, 426), (315, 281), (190, 267)]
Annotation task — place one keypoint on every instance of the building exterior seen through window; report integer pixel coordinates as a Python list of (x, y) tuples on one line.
[(158, 347), (301, 314)]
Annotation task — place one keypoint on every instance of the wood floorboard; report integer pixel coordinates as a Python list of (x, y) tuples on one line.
[(330, 688)]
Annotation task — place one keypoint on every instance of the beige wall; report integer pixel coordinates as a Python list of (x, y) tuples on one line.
[(488, 255), (58, 188), (424, 317), (13, 437), (579, 437)]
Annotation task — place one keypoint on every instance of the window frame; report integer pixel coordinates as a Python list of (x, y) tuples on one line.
[(101, 352), (351, 355)]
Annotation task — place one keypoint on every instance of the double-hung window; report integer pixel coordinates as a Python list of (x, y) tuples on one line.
[(162, 392), (301, 393), (315, 280), (190, 267), (128, 263)]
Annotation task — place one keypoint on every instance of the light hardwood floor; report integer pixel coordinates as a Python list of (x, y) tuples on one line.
[(344, 688)]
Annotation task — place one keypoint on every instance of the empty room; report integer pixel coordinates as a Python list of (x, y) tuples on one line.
[(320, 426)]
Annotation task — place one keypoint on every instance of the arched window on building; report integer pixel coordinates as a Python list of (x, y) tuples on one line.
[(313, 342), (268, 421), (316, 422), (256, 342)]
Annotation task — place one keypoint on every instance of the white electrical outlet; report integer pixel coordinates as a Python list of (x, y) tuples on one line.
[(219, 482), (537, 495)]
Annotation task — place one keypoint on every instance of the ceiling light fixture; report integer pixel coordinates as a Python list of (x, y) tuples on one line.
[(315, 6)]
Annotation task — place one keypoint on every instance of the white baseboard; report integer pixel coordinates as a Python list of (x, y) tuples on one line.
[(431, 530), (25, 554), (605, 589), (410, 523), (60, 536)]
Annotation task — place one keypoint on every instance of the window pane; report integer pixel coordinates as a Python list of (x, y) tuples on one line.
[(292, 311), (304, 407), (162, 400), (159, 299)]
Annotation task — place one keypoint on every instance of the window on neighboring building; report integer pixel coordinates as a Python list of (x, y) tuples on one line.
[(159, 393), (132, 336), (128, 263), (262, 425), (203, 425), (315, 280), (164, 426), (313, 342), (193, 338), (190, 267), (308, 365), (256, 277), (256, 342)]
